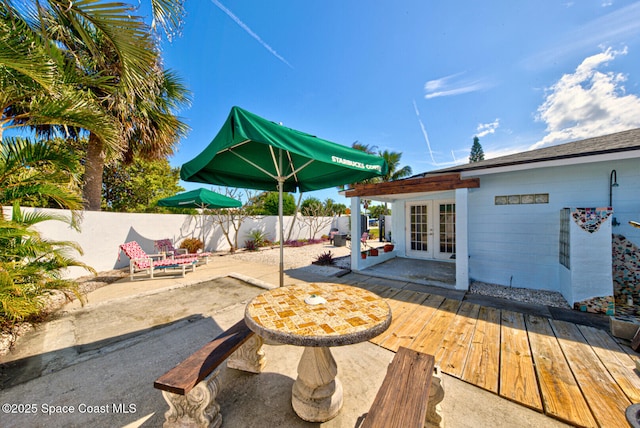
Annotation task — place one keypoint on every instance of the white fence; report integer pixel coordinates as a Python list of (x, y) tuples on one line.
[(102, 232)]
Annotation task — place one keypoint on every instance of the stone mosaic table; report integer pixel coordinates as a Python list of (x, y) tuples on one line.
[(317, 316)]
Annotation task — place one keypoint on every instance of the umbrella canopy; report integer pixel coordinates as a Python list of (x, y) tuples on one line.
[(255, 153), (245, 153), (199, 198)]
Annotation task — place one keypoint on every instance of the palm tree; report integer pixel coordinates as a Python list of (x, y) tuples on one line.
[(39, 169), (30, 266), (150, 131), (111, 57), (394, 173), (35, 88)]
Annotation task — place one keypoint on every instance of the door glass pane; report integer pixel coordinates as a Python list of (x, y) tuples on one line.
[(419, 228), (448, 228)]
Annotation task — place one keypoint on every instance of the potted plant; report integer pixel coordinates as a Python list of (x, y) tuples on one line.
[(363, 254), (388, 247), (373, 252)]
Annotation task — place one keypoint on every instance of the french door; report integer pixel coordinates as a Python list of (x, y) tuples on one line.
[(431, 229)]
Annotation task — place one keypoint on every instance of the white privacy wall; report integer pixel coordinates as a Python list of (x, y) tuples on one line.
[(518, 244), (102, 232)]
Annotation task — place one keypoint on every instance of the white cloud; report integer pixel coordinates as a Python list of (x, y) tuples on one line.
[(588, 103), (248, 30), (448, 86), (484, 129)]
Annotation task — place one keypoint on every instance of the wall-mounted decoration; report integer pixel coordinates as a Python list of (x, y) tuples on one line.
[(537, 198), (590, 219)]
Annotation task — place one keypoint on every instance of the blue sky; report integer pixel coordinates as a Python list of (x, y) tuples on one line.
[(417, 77)]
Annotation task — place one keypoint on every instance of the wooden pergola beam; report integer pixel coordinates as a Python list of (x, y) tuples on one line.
[(434, 183)]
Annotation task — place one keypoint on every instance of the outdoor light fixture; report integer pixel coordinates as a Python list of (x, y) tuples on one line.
[(613, 182)]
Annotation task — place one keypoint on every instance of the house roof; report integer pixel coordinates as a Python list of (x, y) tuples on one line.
[(613, 143), (450, 178)]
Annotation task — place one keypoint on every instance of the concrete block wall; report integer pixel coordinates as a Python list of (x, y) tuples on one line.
[(102, 232)]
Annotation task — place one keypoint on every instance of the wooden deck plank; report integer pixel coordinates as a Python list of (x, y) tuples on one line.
[(457, 340), (401, 304), (517, 375), (619, 364), (430, 337), (483, 361), (605, 398), (412, 323), (384, 291), (561, 394)]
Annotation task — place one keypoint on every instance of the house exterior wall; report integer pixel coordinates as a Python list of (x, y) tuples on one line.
[(398, 229), (518, 245)]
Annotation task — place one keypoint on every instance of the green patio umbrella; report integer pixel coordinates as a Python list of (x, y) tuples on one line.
[(200, 198), (255, 153)]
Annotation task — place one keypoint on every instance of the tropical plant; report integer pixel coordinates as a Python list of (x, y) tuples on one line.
[(38, 173), (110, 64), (36, 87), (32, 267), (395, 172), (192, 245), (259, 237), (325, 259), (376, 211), (332, 208), (250, 245)]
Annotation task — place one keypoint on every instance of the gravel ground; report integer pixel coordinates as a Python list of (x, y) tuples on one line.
[(294, 257), (525, 295)]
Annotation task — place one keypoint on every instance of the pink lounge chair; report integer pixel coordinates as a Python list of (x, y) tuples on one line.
[(141, 261), (363, 239), (166, 246)]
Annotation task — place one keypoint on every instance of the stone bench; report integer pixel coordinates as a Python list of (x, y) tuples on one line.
[(191, 387), (410, 393)]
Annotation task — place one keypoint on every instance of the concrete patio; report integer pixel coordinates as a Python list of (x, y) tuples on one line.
[(106, 355)]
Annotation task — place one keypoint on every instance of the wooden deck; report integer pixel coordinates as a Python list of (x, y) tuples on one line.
[(574, 373)]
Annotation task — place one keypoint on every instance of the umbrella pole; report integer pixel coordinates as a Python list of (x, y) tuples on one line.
[(280, 218)]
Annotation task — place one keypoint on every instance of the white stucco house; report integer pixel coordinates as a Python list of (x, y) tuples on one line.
[(540, 219)]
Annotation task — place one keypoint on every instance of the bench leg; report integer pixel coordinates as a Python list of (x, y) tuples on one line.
[(317, 392), (436, 395), (196, 409), (249, 357)]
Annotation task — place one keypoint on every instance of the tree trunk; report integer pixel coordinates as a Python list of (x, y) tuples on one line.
[(94, 166)]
